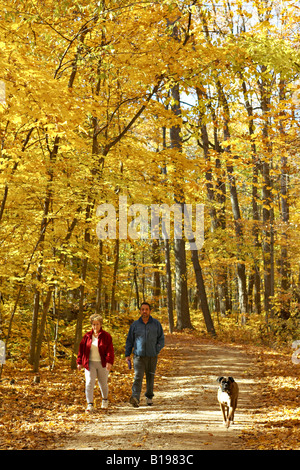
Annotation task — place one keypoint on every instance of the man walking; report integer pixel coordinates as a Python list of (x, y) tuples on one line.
[(146, 339)]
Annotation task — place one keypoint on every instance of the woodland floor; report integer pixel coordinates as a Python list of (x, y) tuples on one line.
[(185, 414), (50, 415)]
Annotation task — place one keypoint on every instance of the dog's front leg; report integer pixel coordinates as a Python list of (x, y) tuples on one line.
[(230, 416), (233, 406), (223, 409)]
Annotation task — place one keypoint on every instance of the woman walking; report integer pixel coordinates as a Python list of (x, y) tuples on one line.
[(96, 356)]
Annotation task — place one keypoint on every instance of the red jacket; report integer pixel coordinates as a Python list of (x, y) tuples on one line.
[(105, 347)]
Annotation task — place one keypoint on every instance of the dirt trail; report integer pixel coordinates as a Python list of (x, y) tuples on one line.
[(185, 414)]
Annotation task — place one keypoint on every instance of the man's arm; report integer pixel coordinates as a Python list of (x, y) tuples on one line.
[(160, 339), (129, 342)]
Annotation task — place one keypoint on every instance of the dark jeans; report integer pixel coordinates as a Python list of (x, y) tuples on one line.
[(143, 365)]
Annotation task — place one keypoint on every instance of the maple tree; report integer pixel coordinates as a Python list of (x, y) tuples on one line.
[(262, 81), (158, 102), (93, 108)]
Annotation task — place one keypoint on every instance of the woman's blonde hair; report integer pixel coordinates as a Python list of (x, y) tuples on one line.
[(96, 317)]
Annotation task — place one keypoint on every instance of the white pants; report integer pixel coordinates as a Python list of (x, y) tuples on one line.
[(96, 372)]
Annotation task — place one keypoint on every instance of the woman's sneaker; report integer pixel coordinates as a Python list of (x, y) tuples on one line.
[(90, 408), (104, 404)]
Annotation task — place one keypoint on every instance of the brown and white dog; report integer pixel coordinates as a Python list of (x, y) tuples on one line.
[(228, 393)]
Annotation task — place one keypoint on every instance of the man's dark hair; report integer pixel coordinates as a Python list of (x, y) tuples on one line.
[(145, 303)]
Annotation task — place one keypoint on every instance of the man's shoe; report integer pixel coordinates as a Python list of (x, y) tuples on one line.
[(134, 402), (149, 401), (90, 408)]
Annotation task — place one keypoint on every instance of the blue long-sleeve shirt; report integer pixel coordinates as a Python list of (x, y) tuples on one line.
[(145, 339)]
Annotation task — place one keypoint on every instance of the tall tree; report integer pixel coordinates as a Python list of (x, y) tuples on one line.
[(181, 290)]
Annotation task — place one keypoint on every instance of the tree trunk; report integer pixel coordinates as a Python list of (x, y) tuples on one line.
[(84, 263), (56, 313), (217, 217), (241, 270), (254, 280), (79, 321), (267, 203), (168, 259), (99, 279), (44, 223), (135, 280), (182, 302), (114, 282), (156, 289), (169, 285), (202, 293), (36, 362), (285, 216), (34, 321)]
